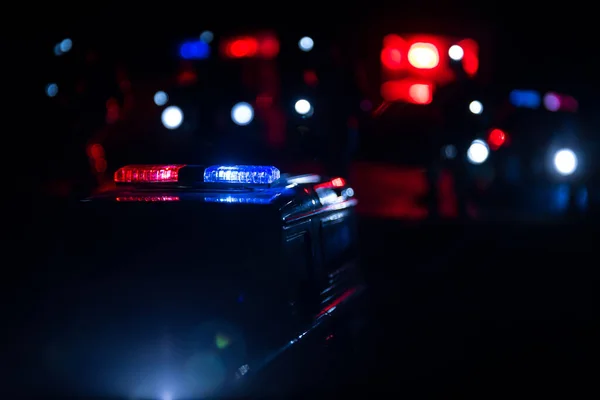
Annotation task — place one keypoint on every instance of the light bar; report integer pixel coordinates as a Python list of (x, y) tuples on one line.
[(242, 174), (148, 173)]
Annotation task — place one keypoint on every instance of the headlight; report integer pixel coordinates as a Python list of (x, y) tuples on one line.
[(478, 152), (565, 162)]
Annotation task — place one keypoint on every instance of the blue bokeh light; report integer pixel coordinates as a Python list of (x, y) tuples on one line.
[(194, 50)]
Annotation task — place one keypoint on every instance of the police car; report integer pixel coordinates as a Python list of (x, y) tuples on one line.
[(535, 157), (184, 280)]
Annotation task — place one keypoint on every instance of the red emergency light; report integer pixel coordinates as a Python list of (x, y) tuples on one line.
[(418, 53), (333, 183), (242, 47), (470, 59), (262, 46), (496, 138), (392, 58), (394, 55), (426, 62), (148, 173), (408, 90), (423, 55)]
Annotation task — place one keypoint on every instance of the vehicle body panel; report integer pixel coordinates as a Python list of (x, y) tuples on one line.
[(183, 292)]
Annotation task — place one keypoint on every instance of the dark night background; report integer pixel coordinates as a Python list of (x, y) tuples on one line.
[(531, 45), (440, 287)]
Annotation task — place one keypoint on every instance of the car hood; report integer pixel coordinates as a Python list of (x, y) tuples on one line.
[(138, 320)]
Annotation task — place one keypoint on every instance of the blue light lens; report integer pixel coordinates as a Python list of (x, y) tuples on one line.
[(249, 174)]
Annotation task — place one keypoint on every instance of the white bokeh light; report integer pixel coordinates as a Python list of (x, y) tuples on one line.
[(242, 114), (160, 98), (172, 117), (478, 152), (476, 107), (306, 43), (450, 151), (565, 162), (303, 107), (456, 53), (207, 36)]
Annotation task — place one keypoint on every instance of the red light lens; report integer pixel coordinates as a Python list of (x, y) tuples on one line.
[(338, 182), (333, 183), (147, 199), (148, 173)]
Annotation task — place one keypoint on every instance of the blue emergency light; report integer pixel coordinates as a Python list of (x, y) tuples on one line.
[(525, 98), (242, 174), (174, 173), (194, 50)]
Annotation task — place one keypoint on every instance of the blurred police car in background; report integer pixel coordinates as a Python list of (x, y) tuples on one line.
[(184, 281), (536, 154)]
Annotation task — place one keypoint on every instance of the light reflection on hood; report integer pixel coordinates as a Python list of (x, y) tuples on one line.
[(155, 365)]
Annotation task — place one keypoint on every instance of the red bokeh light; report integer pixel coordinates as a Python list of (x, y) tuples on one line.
[(187, 77), (264, 46), (310, 78), (391, 58), (393, 55), (269, 47), (408, 90), (496, 138), (243, 47), (470, 61), (95, 151), (420, 93)]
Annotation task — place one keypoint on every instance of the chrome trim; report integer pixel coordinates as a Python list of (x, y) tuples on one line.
[(303, 179), (332, 207)]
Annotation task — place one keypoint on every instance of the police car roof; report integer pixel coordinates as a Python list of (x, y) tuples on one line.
[(229, 184)]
